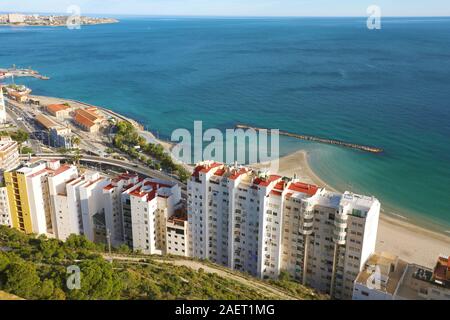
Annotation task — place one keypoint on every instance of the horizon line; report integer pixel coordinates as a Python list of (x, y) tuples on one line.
[(221, 16)]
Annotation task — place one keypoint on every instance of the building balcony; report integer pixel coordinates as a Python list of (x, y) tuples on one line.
[(308, 224), (339, 238), (308, 215)]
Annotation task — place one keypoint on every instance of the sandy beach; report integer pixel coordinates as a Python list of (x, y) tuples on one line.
[(400, 237)]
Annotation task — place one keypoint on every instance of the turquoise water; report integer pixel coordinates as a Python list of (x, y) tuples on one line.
[(328, 77)]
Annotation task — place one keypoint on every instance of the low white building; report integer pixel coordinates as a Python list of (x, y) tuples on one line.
[(386, 277), (381, 277), (177, 237)]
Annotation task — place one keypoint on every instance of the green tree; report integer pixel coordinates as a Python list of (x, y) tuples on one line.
[(22, 280), (76, 157), (20, 136), (63, 151), (183, 174), (98, 281), (26, 150), (75, 141)]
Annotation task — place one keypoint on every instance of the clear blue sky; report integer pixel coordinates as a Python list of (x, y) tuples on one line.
[(235, 7)]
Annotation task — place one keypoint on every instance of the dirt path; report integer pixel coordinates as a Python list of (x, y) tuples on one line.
[(264, 289)]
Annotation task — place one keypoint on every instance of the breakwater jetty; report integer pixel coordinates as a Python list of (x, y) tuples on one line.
[(14, 72), (344, 144)]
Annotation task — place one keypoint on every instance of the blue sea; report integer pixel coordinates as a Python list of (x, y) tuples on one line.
[(330, 77)]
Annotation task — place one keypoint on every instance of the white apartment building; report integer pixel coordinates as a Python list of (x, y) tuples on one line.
[(40, 182), (262, 224), (54, 199), (72, 221), (112, 197), (5, 213), (80, 207), (9, 155), (2, 107), (57, 183), (38, 197), (93, 207), (146, 208)]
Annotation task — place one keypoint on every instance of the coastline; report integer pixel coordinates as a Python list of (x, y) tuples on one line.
[(396, 234), (402, 237)]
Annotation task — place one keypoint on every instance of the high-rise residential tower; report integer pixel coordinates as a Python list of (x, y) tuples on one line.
[(2, 107), (263, 224)]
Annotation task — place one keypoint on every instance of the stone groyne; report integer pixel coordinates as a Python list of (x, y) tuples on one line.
[(320, 140)]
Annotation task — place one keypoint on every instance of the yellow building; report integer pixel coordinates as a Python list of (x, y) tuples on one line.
[(30, 190), (18, 201)]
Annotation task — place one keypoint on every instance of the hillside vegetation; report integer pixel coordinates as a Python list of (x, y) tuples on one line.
[(36, 268)]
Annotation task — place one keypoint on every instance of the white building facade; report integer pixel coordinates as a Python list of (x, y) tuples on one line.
[(147, 207), (2, 107), (262, 224), (5, 214)]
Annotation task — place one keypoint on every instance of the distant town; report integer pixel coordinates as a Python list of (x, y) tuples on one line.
[(18, 19)]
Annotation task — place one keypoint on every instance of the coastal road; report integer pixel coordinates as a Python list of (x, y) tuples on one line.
[(15, 113)]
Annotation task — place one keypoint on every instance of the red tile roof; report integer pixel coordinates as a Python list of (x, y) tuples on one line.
[(90, 113), (264, 182), (219, 172), (276, 193), (149, 195), (309, 189), (80, 119), (237, 173), (280, 185), (205, 168), (61, 169), (57, 107), (108, 187), (442, 270), (46, 122)]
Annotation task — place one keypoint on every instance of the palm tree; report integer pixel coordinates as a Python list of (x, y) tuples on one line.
[(76, 157), (75, 141)]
